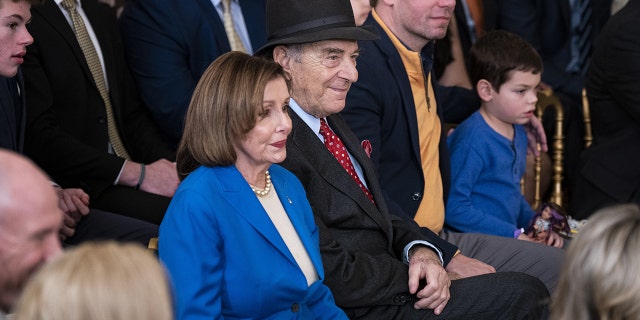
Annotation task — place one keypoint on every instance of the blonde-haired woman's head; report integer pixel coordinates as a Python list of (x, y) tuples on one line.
[(108, 280), (601, 274)]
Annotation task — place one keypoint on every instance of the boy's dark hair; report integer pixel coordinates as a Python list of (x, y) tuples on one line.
[(497, 53)]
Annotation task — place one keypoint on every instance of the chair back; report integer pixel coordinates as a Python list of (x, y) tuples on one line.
[(547, 99), (588, 135)]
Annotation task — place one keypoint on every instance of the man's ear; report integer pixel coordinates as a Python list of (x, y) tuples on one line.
[(281, 57), (485, 90)]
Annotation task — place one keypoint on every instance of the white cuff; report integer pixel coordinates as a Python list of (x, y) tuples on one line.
[(115, 183), (424, 243)]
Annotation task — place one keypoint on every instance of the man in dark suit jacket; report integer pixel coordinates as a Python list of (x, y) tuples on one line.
[(378, 266), (381, 108), (608, 171), (66, 117), (547, 25), (170, 43), (12, 118), (80, 223)]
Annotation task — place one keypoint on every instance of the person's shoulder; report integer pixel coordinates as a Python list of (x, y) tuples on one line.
[(521, 134), (205, 182), (158, 9), (279, 171), (370, 49), (201, 175), (468, 128)]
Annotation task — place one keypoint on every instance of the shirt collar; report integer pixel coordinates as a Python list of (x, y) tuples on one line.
[(216, 3), (78, 2), (311, 121)]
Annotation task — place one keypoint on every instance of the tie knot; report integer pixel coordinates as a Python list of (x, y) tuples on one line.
[(226, 5), (324, 128), (69, 4)]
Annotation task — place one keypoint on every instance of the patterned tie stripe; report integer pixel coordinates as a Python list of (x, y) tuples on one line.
[(337, 149), (583, 32), (234, 39), (95, 67)]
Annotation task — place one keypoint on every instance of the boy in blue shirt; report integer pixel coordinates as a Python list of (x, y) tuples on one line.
[(488, 150)]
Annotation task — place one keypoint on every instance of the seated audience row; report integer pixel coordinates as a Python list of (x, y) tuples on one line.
[(436, 294), (85, 125), (94, 281), (81, 221), (488, 149), (109, 279), (408, 115), (335, 48)]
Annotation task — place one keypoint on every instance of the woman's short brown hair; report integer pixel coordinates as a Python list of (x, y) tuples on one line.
[(223, 109)]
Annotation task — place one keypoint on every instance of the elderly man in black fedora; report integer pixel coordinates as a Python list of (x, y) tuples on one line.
[(378, 265)]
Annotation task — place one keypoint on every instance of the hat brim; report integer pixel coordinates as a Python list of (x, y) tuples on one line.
[(341, 33)]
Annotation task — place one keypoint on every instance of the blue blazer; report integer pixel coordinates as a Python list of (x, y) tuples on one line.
[(227, 260), (170, 43)]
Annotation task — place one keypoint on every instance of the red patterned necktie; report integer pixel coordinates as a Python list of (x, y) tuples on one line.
[(335, 146)]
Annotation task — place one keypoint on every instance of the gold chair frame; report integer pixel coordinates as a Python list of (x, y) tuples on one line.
[(153, 245), (586, 113), (546, 99)]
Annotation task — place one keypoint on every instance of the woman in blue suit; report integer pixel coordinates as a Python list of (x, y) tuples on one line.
[(239, 238)]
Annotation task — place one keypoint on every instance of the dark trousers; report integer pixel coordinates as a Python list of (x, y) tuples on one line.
[(502, 295), (101, 225), (132, 203)]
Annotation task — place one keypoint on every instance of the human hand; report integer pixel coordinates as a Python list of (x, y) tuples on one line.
[(555, 240), (525, 237), (74, 203), (425, 264), (464, 266), (161, 177), (535, 136)]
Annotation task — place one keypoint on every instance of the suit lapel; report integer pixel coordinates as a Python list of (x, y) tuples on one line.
[(402, 79), (565, 12), (254, 15), (23, 111), (7, 115), (52, 14), (249, 208), (100, 29), (215, 24), (354, 146), (328, 167), (295, 211)]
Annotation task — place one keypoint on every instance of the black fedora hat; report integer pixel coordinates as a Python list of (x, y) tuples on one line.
[(301, 21)]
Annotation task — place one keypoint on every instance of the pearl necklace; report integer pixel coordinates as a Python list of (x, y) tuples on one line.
[(263, 192)]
